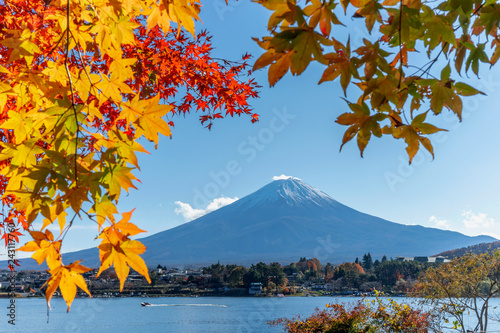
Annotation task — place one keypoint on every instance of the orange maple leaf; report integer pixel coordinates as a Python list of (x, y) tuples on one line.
[(67, 278), (45, 248)]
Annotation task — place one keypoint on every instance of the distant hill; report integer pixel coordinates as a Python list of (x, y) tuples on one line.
[(477, 249), (283, 221)]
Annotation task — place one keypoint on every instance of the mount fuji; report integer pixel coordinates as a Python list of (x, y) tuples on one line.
[(283, 221)]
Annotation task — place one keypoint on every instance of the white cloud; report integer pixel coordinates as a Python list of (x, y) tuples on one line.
[(472, 221), (284, 177), (439, 223), (189, 213)]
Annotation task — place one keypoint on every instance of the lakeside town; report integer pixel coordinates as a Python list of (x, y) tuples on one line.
[(306, 277)]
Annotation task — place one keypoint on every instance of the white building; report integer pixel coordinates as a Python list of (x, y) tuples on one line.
[(255, 288)]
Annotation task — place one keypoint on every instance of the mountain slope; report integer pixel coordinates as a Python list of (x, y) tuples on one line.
[(283, 221), (477, 249)]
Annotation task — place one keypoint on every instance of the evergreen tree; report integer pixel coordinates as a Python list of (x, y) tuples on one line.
[(367, 261)]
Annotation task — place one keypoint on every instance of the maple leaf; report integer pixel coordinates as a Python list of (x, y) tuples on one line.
[(444, 93), (125, 227), (104, 208), (112, 87), (370, 10), (413, 138), (183, 12), (362, 125), (305, 45), (45, 248), (476, 55), (425, 128), (118, 177), (147, 115), (66, 278), (123, 66), (438, 30), (158, 16), (340, 64), (117, 250), (12, 236), (123, 255), (279, 68), (22, 46)]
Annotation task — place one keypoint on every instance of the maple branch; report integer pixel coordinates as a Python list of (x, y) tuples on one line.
[(55, 46), (70, 80), (66, 228), (400, 47), (83, 62), (90, 216)]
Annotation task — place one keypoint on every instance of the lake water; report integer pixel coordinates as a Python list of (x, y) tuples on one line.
[(172, 314)]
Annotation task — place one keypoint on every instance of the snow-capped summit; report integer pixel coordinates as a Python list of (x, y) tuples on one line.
[(288, 191)]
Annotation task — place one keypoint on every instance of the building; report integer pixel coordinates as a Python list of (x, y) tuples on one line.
[(424, 259), (255, 288)]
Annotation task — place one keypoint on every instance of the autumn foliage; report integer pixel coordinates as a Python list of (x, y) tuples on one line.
[(406, 71), (462, 289), (376, 316), (80, 83)]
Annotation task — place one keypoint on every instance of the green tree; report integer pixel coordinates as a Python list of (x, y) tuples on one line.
[(367, 261), (257, 273), (351, 278), (154, 277), (277, 275), (217, 272), (390, 271), (290, 269), (236, 275)]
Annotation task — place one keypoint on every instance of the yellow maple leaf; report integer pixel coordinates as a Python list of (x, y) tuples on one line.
[(123, 66), (22, 47), (123, 255), (119, 177), (158, 16), (45, 248), (112, 87), (67, 278), (103, 209), (127, 228), (184, 13), (117, 250)]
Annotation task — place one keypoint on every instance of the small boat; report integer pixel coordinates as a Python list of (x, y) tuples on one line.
[(146, 304)]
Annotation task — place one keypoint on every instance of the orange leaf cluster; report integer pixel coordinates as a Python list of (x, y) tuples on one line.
[(395, 95)]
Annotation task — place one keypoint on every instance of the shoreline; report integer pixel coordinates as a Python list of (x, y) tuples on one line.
[(19, 295)]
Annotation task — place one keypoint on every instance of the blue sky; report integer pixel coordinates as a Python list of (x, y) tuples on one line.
[(297, 136)]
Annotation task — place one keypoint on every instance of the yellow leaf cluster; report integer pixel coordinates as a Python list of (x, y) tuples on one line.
[(116, 249), (57, 84)]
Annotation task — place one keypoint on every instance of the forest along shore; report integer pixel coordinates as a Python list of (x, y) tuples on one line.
[(306, 277)]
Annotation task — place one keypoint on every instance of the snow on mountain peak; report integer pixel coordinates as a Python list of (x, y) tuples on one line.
[(290, 191), (285, 177)]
